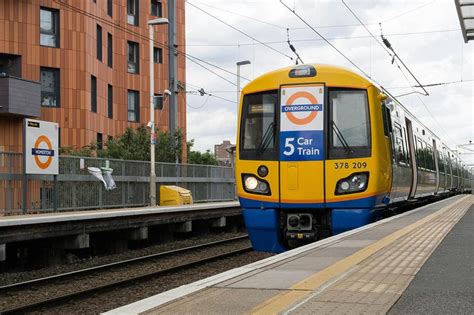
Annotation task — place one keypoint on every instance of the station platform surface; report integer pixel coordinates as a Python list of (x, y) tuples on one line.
[(52, 217), (394, 265)]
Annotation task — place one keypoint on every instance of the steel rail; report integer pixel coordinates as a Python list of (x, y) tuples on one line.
[(67, 296), (85, 271)]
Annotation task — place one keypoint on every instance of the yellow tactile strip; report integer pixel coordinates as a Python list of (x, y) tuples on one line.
[(372, 279)]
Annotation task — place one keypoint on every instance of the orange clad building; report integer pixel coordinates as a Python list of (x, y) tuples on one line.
[(85, 65)]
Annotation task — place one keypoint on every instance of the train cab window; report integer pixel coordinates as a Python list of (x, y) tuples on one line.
[(349, 127), (258, 127)]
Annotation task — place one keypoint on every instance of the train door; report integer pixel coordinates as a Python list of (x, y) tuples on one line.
[(436, 159), (411, 148), (450, 171), (302, 146)]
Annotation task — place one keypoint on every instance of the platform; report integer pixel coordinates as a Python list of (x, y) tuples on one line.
[(36, 226), (366, 270)]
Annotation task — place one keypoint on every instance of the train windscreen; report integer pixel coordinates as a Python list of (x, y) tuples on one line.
[(350, 125), (258, 127)]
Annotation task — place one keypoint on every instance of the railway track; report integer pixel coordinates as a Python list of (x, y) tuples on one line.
[(18, 289)]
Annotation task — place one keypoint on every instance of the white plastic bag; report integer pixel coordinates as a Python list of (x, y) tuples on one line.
[(104, 175)]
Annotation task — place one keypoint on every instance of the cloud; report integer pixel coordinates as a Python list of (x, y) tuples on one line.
[(432, 57)]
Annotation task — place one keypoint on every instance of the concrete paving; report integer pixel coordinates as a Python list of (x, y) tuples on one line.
[(445, 283), (361, 271)]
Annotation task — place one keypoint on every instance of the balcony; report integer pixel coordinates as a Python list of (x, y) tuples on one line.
[(19, 97)]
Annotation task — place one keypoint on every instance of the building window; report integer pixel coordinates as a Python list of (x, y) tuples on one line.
[(133, 57), (49, 27), (110, 58), (156, 8), (49, 87), (109, 8), (93, 94), (157, 55), (110, 101), (100, 143), (158, 101), (132, 12), (99, 42), (133, 106)]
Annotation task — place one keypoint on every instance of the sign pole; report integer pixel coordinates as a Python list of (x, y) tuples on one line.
[(25, 177), (55, 193)]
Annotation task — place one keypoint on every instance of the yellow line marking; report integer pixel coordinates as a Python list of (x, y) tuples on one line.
[(307, 286)]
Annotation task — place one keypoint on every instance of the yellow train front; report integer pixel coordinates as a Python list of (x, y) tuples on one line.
[(312, 157)]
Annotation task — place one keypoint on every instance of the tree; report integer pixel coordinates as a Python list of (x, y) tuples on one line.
[(196, 157), (134, 144)]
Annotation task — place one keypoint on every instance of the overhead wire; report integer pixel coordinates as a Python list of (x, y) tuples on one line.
[(409, 11), (238, 30), (388, 45), (387, 48), (293, 49), (220, 76), (384, 21), (319, 39), (138, 35), (327, 41), (368, 31), (203, 92), (241, 15), (355, 65), (432, 84)]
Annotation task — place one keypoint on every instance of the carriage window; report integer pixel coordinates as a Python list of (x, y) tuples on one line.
[(349, 127), (257, 140), (441, 162), (420, 159), (402, 156), (430, 158), (387, 119)]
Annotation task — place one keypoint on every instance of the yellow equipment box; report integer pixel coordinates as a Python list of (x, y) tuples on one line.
[(174, 196)]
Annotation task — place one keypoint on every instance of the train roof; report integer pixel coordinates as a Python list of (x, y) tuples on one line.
[(334, 75)]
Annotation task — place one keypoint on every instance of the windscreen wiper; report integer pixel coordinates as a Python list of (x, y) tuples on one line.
[(266, 139), (341, 138)]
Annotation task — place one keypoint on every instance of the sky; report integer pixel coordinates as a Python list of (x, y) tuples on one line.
[(425, 34)]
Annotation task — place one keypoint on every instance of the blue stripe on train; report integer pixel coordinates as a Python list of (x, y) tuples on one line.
[(261, 219), (368, 202)]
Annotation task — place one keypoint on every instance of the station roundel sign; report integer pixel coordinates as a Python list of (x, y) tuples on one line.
[(41, 148), (43, 139), (307, 119)]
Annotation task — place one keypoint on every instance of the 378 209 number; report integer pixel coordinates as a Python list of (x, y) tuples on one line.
[(346, 165)]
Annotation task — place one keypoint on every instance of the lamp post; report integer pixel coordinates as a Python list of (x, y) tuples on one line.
[(151, 23), (240, 63)]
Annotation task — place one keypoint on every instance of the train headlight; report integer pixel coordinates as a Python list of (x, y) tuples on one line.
[(344, 185), (251, 183), (255, 185), (356, 182)]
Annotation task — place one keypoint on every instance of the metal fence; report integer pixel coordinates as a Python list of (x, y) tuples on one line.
[(75, 189)]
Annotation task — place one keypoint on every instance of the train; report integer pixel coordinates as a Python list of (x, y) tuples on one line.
[(322, 150)]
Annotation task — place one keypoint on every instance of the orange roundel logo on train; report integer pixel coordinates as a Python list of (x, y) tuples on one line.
[(312, 114)]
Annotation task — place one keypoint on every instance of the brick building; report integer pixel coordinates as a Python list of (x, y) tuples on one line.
[(221, 152), (85, 65)]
